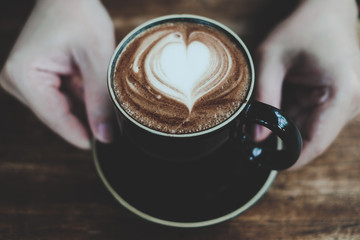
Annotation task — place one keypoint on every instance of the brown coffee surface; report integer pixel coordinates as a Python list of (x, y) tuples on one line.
[(181, 77)]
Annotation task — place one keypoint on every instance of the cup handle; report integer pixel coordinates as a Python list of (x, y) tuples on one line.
[(273, 119)]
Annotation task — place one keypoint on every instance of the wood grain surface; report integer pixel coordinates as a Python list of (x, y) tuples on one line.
[(50, 190)]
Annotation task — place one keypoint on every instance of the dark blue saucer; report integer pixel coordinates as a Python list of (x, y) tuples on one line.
[(193, 194)]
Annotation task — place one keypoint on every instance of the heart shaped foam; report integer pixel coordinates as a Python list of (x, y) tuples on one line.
[(181, 71), (183, 67)]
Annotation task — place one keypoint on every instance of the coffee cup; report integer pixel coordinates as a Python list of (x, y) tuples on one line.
[(182, 89)]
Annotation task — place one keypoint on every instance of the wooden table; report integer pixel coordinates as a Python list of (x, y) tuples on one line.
[(50, 190)]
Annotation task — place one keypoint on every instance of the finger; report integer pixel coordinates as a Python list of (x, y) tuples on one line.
[(299, 101), (335, 109), (319, 131), (52, 107), (271, 72), (93, 68)]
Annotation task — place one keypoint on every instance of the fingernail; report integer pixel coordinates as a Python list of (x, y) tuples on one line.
[(105, 132)]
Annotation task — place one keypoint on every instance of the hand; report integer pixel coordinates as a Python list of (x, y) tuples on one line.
[(310, 66), (59, 59)]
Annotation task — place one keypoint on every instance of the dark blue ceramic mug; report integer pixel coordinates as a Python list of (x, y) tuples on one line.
[(202, 156)]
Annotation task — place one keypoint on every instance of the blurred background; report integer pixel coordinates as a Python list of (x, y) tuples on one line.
[(50, 189)]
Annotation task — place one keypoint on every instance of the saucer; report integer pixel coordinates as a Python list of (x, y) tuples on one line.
[(195, 194)]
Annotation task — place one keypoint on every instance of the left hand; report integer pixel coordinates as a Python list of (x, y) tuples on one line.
[(60, 60)]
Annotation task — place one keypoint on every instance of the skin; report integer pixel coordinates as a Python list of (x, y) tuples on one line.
[(309, 66), (59, 62)]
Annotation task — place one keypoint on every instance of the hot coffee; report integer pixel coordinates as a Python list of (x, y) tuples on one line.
[(181, 85), (181, 77)]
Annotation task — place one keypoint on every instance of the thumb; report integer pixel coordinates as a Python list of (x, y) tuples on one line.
[(93, 67), (268, 88)]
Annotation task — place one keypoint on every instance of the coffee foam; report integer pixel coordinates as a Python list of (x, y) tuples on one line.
[(181, 77)]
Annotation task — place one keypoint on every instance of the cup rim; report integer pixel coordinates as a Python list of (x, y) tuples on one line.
[(115, 57)]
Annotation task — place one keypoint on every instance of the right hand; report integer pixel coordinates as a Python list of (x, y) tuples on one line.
[(309, 65), (61, 57)]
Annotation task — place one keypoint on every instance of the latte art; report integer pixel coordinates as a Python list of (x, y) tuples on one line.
[(181, 77), (195, 70)]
